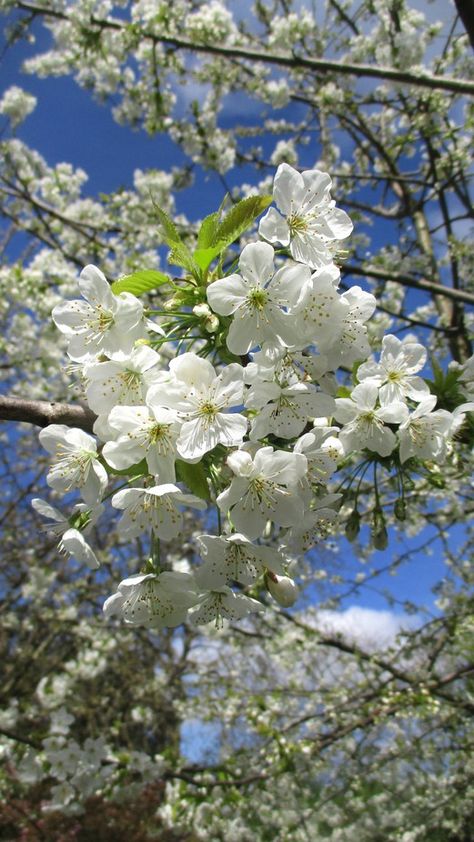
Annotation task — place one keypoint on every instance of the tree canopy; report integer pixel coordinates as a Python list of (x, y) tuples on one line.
[(252, 367)]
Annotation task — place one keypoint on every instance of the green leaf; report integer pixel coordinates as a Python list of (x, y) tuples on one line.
[(194, 476), (239, 218), (205, 256), (140, 469), (207, 230), (139, 282), (180, 254)]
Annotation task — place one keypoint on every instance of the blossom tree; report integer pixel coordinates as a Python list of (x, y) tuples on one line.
[(241, 408)]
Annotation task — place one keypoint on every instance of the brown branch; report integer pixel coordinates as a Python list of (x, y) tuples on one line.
[(294, 62), (409, 281), (466, 13), (42, 413)]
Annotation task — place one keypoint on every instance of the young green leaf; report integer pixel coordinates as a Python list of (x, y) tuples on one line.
[(207, 230), (239, 218), (180, 254), (194, 476), (139, 282)]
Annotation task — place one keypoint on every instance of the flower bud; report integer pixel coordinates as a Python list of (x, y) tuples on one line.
[(202, 311), (282, 589), (400, 509), (212, 323), (353, 526)]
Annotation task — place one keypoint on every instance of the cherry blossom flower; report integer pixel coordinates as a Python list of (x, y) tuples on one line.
[(76, 462), (365, 426), (153, 600), (223, 603), (395, 373), (256, 299), (425, 434), (154, 509), (264, 488), (309, 221), (143, 433), (104, 322), (121, 382), (288, 410), (201, 398), (233, 558)]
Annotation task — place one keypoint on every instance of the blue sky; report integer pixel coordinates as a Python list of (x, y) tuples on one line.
[(68, 125)]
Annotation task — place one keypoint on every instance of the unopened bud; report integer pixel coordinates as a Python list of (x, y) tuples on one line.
[(400, 509), (171, 304), (353, 526), (282, 589), (202, 311), (212, 324)]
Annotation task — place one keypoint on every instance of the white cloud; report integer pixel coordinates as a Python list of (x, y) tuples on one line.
[(370, 628)]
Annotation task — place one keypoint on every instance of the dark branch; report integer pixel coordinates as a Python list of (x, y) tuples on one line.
[(42, 413)]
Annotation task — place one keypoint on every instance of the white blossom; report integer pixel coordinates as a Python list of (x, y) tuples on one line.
[(309, 221), (76, 463)]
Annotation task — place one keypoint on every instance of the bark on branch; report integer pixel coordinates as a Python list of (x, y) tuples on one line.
[(42, 413), (294, 62)]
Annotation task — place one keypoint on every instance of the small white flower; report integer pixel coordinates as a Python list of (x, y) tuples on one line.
[(201, 398), (309, 221), (153, 509), (153, 601), (264, 488), (121, 382), (222, 603), (233, 558), (395, 373), (289, 409), (425, 434), (256, 299), (104, 322), (143, 433), (364, 424), (76, 462)]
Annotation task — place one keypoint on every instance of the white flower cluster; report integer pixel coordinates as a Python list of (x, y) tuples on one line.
[(17, 104), (257, 435)]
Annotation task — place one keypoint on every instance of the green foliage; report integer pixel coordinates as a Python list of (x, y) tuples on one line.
[(194, 476), (139, 282)]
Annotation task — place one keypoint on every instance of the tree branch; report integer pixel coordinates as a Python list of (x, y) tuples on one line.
[(42, 413), (294, 62)]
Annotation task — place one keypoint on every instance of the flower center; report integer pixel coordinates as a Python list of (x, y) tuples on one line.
[(297, 224), (257, 299)]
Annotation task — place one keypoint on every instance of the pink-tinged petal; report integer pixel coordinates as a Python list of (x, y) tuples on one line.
[(317, 186), (95, 288), (274, 228), (227, 294), (256, 263), (288, 189)]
